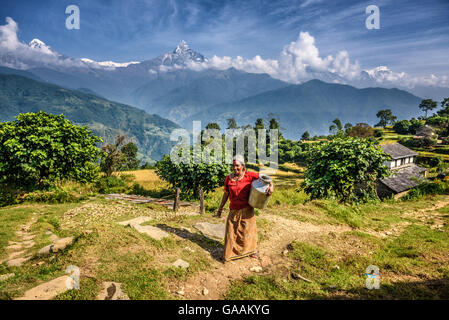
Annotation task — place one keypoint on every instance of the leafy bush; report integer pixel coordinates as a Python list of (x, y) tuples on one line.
[(38, 149), (341, 167), (418, 143), (114, 184), (427, 188), (429, 161), (407, 126), (361, 130)]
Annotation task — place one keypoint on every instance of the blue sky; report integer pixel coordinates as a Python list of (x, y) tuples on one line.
[(413, 35)]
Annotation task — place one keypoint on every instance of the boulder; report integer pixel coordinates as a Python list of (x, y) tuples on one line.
[(153, 232), (181, 264), (47, 290), (212, 230), (135, 221), (112, 291)]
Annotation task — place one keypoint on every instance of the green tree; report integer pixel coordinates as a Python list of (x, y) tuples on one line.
[(39, 148), (305, 135), (427, 105), (348, 126), (444, 108), (341, 167), (111, 158), (192, 177), (336, 127), (361, 130), (386, 118), (232, 124), (274, 124), (407, 126), (213, 125), (129, 152), (259, 124)]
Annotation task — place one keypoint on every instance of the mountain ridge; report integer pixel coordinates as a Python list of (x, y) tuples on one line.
[(105, 118)]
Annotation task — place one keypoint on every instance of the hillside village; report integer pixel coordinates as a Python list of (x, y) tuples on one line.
[(299, 152), (125, 236)]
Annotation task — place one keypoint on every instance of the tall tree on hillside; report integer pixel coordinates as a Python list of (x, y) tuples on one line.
[(274, 124), (213, 125), (444, 107), (386, 118), (232, 124), (111, 159), (336, 127), (305, 135), (348, 126), (427, 105), (259, 124), (129, 152), (361, 130)]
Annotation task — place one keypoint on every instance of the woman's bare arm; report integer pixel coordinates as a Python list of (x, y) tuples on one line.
[(222, 204)]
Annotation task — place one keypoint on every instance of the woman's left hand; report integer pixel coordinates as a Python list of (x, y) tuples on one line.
[(270, 189)]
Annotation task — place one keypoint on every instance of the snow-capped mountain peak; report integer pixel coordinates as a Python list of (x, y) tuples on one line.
[(181, 48), (182, 55), (39, 45)]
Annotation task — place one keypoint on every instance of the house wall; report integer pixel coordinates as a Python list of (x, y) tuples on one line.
[(383, 191), (400, 162)]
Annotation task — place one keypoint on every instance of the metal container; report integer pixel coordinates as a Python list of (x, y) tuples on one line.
[(257, 196)]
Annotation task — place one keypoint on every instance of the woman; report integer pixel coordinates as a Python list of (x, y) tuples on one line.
[(241, 230)]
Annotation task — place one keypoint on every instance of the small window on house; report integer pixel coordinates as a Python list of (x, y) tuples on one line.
[(412, 159)]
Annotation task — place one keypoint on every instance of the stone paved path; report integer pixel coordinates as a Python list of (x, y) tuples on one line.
[(18, 252)]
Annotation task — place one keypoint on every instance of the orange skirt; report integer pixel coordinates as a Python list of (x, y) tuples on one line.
[(241, 234)]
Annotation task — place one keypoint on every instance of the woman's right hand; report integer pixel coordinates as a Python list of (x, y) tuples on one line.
[(218, 212)]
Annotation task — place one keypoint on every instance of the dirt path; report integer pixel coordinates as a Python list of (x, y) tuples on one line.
[(215, 283), (18, 250)]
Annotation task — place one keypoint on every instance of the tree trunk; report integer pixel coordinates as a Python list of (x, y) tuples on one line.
[(176, 202), (202, 201)]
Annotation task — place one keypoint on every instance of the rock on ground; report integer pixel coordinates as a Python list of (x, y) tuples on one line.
[(212, 230), (112, 291), (47, 290), (135, 221), (58, 245), (4, 277), (181, 264), (18, 262)]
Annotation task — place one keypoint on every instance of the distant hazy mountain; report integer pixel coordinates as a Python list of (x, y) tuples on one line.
[(106, 118), (167, 86), (183, 93), (312, 106)]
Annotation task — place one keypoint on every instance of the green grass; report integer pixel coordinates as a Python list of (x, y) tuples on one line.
[(412, 266), (413, 262)]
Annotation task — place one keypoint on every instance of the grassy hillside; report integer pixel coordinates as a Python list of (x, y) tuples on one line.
[(329, 243), (106, 118)]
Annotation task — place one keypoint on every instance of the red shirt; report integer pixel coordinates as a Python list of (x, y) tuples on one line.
[(239, 190)]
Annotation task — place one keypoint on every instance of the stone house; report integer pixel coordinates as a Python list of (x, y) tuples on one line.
[(426, 132), (406, 174)]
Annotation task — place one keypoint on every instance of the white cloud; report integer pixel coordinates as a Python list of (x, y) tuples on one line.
[(16, 54), (19, 55), (107, 64), (384, 75), (300, 60)]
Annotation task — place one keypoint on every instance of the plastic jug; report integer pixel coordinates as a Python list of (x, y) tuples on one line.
[(257, 196)]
